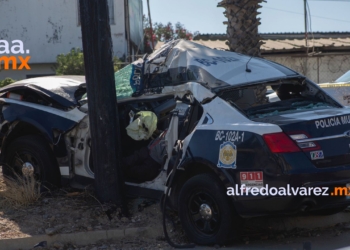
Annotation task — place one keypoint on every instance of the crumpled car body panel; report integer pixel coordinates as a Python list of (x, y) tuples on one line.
[(61, 89), (224, 114), (181, 61)]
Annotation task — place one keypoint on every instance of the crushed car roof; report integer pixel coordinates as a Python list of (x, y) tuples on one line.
[(176, 62), (62, 89), (181, 61)]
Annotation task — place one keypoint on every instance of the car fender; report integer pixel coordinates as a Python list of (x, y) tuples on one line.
[(207, 166), (49, 122)]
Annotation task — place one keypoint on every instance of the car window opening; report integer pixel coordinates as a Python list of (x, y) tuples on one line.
[(253, 101), (134, 150)]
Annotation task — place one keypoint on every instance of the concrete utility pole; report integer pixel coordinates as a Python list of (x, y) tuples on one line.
[(150, 24), (102, 101), (305, 24), (305, 68)]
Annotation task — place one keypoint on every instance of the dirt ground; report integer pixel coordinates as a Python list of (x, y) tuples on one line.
[(298, 239), (69, 210)]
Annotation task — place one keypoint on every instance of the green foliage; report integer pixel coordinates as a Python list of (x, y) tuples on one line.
[(73, 63), (117, 63), (164, 33), (182, 33), (6, 81)]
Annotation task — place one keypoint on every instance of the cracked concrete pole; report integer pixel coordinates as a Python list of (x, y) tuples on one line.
[(102, 101)]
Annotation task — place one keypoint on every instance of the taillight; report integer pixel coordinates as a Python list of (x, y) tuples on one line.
[(280, 143), (305, 146)]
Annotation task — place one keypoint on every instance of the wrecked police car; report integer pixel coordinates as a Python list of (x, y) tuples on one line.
[(214, 107)]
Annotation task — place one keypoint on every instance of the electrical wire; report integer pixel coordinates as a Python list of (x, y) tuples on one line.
[(332, 0), (298, 13)]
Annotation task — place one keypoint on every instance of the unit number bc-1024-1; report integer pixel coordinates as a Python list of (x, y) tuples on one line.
[(234, 136)]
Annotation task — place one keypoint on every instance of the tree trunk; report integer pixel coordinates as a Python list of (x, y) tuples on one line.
[(242, 25), (102, 101)]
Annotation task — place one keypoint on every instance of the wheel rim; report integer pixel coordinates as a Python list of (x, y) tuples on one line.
[(204, 213), (24, 163), (27, 169)]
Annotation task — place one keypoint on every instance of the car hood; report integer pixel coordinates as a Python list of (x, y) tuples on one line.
[(61, 89)]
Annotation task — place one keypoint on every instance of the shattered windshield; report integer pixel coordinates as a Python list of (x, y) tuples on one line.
[(288, 97), (287, 106), (122, 82)]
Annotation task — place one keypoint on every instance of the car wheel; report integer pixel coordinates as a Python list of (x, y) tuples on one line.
[(31, 155), (205, 211), (329, 211)]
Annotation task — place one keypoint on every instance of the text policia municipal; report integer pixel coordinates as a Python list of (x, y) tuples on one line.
[(331, 122), (274, 191)]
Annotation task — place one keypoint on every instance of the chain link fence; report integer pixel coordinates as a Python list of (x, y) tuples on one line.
[(320, 69)]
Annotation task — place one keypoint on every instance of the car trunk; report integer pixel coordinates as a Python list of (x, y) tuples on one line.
[(323, 134), (311, 118)]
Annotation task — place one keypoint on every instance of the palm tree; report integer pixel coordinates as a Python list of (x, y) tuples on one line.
[(242, 25)]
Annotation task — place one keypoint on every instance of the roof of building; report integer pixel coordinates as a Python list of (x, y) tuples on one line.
[(279, 36), (280, 43)]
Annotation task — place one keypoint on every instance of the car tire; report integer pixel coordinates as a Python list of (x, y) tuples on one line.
[(329, 211), (205, 211), (32, 153)]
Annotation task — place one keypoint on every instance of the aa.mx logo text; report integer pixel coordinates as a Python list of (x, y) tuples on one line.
[(11, 55)]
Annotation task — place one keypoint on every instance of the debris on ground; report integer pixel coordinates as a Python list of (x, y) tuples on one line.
[(69, 210)]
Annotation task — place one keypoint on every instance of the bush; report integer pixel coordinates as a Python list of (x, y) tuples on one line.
[(118, 64), (73, 63), (6, 81)]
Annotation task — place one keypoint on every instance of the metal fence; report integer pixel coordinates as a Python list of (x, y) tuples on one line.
[(320, 68)]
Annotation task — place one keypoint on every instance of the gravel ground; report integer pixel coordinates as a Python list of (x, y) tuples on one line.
[(69, 210), (126, 243), (294, 239)]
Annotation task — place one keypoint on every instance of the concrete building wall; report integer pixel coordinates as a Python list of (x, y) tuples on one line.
[(39, 69), (48, 28), (320, 69)]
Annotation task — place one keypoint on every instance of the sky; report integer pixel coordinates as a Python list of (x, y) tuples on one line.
[(276, 15)]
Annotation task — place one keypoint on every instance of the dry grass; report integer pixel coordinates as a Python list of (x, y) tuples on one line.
[(18, 192)]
